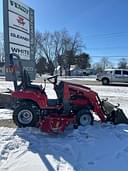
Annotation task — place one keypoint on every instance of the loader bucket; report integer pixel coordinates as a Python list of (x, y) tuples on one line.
[(107, 106), (113, 113)]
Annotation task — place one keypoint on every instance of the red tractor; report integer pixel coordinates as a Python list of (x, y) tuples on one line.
[(75, 104)]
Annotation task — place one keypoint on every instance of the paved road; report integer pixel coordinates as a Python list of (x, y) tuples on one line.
[(82, 81), (91, 80)]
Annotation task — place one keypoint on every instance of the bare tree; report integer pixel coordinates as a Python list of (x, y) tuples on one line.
[(102, 65), (97, 67), (59, 47), (44, 45), (105, 63), (44, 48), (123, 64), (66, 48), (77, 44)]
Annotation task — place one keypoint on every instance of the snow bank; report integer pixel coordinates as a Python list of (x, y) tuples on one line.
[(94, 148), (101, 147)]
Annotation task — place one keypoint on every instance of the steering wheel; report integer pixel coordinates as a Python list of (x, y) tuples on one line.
[(53, 77)]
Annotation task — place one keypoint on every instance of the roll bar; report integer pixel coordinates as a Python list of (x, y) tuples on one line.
[(12, 56)]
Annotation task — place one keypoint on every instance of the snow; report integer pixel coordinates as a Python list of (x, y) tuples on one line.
[(115, 94), (5, 114), (85, 78), (101, 147), (96, 148)]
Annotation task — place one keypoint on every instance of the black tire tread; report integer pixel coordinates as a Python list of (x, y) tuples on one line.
[(34, 120), (83, 111), (103, 81)]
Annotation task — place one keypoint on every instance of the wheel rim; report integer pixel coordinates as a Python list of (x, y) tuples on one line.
[(25, 116), (85, 120), (105, 81)]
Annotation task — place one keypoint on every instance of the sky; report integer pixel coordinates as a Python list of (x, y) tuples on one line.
[(103, 24)]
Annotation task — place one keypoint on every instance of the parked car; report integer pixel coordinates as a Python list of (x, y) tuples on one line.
[(109, 76)]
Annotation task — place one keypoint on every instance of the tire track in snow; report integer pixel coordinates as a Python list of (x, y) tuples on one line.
[(11, 146)]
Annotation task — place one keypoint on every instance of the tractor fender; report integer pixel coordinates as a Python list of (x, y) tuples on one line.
[(38, 98)]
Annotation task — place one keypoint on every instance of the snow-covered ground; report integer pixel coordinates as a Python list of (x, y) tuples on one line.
[(101, 147)]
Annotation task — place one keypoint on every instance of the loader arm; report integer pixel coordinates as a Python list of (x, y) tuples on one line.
[(97, 105), (89, 94)]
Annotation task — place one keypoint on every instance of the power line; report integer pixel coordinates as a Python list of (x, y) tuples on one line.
[(104, 48), (115, 56), (106, 34)]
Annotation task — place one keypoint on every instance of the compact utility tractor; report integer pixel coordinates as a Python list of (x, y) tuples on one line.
[(75, 104)]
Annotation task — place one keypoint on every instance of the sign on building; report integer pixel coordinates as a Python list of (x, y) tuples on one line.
[(19, 35)]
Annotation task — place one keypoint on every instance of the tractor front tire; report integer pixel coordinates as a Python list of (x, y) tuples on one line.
[(25, 116), (84, 117)]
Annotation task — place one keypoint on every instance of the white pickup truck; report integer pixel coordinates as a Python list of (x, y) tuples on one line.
[(109, 76)]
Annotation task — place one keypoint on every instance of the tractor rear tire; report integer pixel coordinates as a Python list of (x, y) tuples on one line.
[(25, 116), (84, 117)]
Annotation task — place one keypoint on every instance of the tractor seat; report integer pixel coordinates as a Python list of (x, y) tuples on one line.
[(26, 83), (59, 89)]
